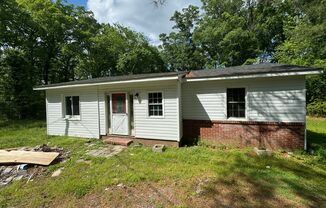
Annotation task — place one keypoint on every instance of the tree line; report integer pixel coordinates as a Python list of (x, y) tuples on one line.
[(44, 41)]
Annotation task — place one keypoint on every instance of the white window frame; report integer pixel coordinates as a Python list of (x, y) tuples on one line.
[(70, 117), (158, 116), (246, 104)]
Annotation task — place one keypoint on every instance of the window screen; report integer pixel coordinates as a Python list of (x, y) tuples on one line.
[(72, 105), (236, 104), (155, 104)]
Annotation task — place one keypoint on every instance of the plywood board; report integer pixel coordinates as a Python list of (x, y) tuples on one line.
[(28, 157)]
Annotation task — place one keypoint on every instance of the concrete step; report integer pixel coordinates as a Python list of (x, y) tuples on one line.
[(124, 141)]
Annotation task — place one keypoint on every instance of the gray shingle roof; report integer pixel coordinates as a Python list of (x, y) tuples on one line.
[(113, 79), (220, 72), (248, 70)]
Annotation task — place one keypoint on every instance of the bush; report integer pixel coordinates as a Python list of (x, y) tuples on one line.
[(317, 108)]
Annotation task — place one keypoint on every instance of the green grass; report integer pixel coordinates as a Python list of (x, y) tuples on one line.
[(316, 130), (232, 177)]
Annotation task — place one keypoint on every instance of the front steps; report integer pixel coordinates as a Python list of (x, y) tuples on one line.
[(117, 140)]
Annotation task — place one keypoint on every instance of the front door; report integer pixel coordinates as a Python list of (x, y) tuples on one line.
[(120, 122)]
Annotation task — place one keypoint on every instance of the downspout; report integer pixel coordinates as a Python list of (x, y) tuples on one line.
[(305, 117), (98, 114), (305, 136)]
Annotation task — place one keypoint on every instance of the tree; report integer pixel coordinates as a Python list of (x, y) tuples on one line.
[(117, 50), (17, 97), (305, 44), (178, 48), (224, 33)]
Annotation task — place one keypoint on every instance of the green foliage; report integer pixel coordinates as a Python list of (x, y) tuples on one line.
[(229, 33), (316, 86), (117, 50), (317, 108), (305, 44), (44, 41), (179, 50), (225, 35), (17, 96)]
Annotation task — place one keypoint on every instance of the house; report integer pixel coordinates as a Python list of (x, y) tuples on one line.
[(251, 105)]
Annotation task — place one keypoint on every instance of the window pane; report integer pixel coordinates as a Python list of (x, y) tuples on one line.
[(155, 97), (119, 103), (68, 106), (241, 109), (75, 101), (236, 102), (160, 110), (155, 107)]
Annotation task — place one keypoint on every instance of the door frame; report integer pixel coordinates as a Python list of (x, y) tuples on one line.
[(111, 110)]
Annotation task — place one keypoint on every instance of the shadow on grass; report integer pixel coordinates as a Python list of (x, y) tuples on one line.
[(153, 189), (246, 182), (315, 138), (253, 185)]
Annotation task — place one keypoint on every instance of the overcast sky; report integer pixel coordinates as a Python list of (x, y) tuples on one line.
[(140, 15)]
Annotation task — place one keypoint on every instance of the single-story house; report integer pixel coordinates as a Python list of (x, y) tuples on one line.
[(251, 105)]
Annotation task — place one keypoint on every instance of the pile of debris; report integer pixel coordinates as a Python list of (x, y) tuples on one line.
[(28, 163)]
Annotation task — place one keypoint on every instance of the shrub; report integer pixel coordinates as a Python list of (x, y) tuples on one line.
[(317, 108)]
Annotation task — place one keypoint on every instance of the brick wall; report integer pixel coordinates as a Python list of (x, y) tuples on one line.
[(273, 135)]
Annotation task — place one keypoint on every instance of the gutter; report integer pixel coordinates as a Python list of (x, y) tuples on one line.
[(312, 72), (108, 83)]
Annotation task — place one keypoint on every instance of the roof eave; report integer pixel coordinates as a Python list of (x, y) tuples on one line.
[(176, 77), (261, 75)]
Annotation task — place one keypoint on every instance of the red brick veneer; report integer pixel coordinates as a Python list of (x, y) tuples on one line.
[(272, 135)]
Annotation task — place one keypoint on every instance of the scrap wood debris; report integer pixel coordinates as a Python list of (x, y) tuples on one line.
[(16, 170), (28, 157)]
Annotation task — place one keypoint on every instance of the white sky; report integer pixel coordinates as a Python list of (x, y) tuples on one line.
[(139, 15)]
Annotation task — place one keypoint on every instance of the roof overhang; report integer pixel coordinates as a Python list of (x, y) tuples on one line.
[(109, 83), (282, 74)]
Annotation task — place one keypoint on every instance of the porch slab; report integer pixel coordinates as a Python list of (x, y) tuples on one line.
[(115, 140)]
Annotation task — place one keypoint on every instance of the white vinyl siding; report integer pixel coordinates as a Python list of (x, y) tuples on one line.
[(203, 100), (87, 126), (164, 127), (280, 99)]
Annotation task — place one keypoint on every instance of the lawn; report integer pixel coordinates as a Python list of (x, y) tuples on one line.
[(197, 176)]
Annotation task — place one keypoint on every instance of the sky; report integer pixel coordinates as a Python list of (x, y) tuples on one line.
[(140, 15)]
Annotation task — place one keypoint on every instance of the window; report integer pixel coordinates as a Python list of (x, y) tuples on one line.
[(155, 104), (72, 106), (119, 103), (236, 104)]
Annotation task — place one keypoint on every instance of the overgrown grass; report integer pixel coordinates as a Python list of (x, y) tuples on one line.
[(234, 177)]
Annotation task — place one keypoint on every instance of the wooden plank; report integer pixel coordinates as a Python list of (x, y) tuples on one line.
[(28, 157)]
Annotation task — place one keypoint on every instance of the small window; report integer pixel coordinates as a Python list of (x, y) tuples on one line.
[(236, 104), (119, 103), (155, 104), (72, 106)]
